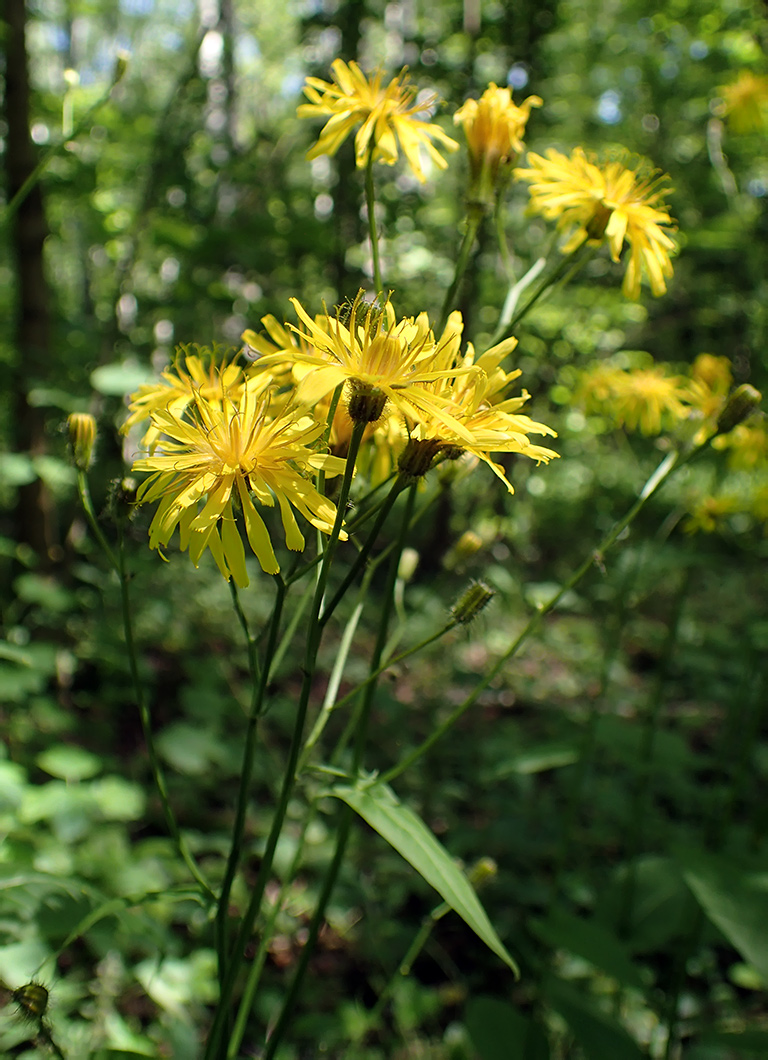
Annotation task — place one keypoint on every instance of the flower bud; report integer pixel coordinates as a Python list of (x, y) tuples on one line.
[(471, 602), (483, 869), (741, 402), (417, 457), (366, 402), (32, 999), (82, 435)]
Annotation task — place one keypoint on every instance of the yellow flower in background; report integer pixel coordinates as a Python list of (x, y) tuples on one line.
[(225, 456), (644, 399), (747, 445), (745, 103), (193, 376), (708, 390), (606, 200), (494, 127), (388, 117), (707, 514)]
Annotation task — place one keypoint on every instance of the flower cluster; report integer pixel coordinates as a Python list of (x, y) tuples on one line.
[(609, 201), (226, 440)]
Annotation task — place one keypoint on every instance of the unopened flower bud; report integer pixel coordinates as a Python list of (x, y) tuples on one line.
[(471, 602), (82, 435), (741, 402), (122, 498), (417, 457), (483, 869), (366, 403), (32, 999), (409, 561), (121, 65)]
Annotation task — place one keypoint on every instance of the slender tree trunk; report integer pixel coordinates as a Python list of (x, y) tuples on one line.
[(34, 509)]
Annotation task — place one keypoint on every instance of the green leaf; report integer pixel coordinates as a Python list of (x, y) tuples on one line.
[(735, 901), (499, 1032), (589, 940), (69, 763), (598, 1035), (120, 378), (537, 759), (407, 833)]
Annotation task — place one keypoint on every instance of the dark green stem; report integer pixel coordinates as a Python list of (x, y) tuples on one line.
[(475, 214), (314, 634), (259, 681), (370, 201), (146, 725), (346, 812)]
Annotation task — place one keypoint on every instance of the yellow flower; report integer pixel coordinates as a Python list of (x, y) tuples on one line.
[(745, 103), (387, 116), (193, 376), (747, 445), (709, 513), (493, 425), (82, 436), (640, 398), (380, 360), (605, 201), (494, 127), (227, 454), (707, 391)]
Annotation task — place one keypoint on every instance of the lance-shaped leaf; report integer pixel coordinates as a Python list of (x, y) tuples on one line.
[(406, 832)]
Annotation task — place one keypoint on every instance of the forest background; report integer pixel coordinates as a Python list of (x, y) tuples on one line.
[(614, 774)]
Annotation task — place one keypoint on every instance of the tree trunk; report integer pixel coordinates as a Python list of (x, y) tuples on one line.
[(33, 514)]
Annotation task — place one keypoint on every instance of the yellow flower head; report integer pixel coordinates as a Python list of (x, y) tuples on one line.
[(605, 200), (745, 103), (228, 454), (387, 116), (747, 445), (494, 127), (708, 513), (193, 376), (493, 424), (641, 398), (379, 359), (707, 391)]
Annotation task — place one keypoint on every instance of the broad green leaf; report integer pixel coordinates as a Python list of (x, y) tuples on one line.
[(69, 763), (744, 1043), (735, 901), (407, 833), (598, 1035), (590, 940), (499, 1032)]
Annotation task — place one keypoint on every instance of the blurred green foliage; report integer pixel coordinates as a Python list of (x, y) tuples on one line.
[(614, 773)]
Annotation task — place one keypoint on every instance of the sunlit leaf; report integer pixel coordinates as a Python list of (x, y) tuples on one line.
[(407, 833)]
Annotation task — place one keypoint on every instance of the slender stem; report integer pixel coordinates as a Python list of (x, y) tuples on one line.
[(50, 154), (346, 812), (370, 201), (314, 634), (146, 725), (85, 499), (669, 464), (365, 551), (259, 681), (475, 214), (418, 943), (569, 265), (118, 564)]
